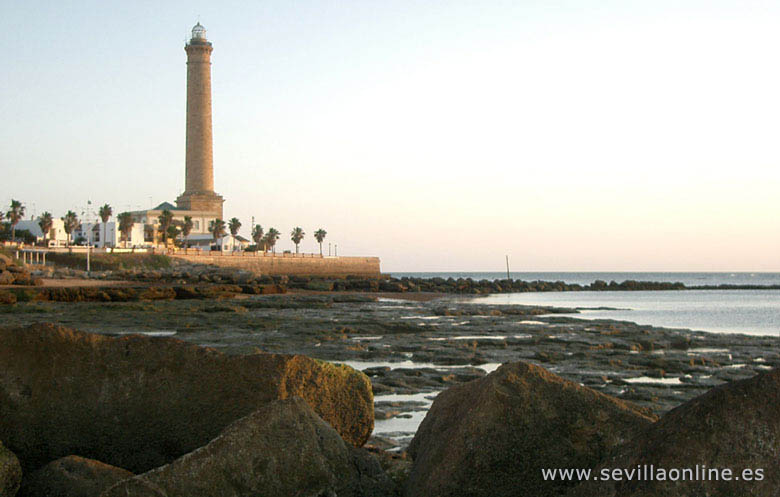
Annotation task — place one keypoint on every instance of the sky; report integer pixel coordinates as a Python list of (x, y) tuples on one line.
[(439, 135)]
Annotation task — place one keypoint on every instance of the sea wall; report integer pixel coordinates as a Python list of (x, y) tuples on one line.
[(289, 264)]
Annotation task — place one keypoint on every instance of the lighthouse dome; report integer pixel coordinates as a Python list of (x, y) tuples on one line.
[(199, 33)]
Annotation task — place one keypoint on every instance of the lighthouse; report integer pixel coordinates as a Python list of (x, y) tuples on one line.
[(199, 192)]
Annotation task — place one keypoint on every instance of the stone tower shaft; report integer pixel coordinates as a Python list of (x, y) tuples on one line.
[(199, 192), (200, 157)]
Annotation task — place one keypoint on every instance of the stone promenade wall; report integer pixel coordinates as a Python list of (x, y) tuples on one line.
[(290, 264)]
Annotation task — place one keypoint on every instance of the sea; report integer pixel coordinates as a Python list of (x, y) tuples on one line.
[(752, 312)]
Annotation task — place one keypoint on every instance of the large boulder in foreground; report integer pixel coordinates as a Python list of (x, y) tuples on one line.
[(734, 427), (493, 436), (72, 476), (280, 450), (140, 402), (10, 473)]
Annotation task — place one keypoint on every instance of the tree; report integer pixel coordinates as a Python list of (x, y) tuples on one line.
[(296, 236), (217, 229), (319, 235), (186, 228), (71, 222), (165, 220), (172, 232), (257, 236), (14, 215), (271, 237), (234, 225), (45, 221), (105, 213), (126, 224)]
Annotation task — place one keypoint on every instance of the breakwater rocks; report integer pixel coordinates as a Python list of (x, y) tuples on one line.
[(491, 436), (466, 285), (183, 272), (133, 293), (72, 476), (11, 274), (140, 402), (280, 450), (494, 437), (733, 427)]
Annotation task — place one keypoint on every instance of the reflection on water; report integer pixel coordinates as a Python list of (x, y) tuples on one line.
[(407, 424), (647, 379), (155, 333), (488, 367)]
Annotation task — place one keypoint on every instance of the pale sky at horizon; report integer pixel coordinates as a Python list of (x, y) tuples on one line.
[(439, 136)]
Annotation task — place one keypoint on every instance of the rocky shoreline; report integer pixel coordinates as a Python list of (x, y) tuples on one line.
[(411, 351), (570, 393)]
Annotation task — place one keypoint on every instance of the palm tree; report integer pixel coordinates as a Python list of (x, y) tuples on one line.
[(71, 222), (186, 228), (165, 219), (14, 215), (296, 236), (125, 225), (271, 237), (105, 214), (217, 229), (45, 221), (257, 236), (234, 225), (319, 235)]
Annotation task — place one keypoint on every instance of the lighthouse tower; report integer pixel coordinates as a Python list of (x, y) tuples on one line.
[(199, 192)]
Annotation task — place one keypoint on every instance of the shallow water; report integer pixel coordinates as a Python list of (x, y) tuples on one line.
[(752, 312), (361, 365)]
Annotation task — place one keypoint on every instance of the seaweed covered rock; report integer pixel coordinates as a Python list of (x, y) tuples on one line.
[(72, 476), (493, 436), (282, 449), (139, 402), (720, 444)]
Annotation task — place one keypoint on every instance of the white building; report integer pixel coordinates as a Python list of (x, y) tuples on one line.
[(227, 243), (54, 238), (149, 219), (108, 235)]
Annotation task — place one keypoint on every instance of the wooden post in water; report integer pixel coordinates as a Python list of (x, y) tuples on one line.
[(507, 268)]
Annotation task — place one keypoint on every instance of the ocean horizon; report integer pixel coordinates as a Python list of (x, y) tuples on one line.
[(751, 312), (693, 278)]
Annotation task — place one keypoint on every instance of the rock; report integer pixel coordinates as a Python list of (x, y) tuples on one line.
[(734, 426), (282, 449), (6, 278), (139, 402), (72, 476), (23, 278), (492, 436), (7, 298), (157, 293), (10, 472)]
